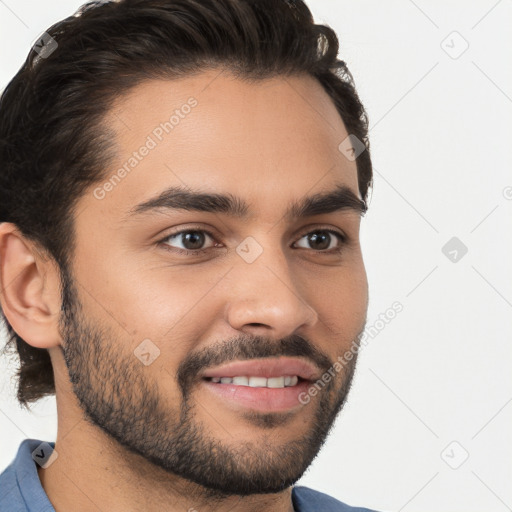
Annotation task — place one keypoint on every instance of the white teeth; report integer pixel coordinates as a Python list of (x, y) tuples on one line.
[(259, 382), (275, 382)]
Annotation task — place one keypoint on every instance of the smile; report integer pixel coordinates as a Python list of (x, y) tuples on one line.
[(258, 382)]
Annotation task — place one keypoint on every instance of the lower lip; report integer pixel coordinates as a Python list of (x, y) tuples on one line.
[(259, 399)]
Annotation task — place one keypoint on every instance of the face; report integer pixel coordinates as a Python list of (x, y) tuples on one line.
[(164, 300)]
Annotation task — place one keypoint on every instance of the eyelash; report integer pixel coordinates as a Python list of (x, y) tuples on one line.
[(341, 237)]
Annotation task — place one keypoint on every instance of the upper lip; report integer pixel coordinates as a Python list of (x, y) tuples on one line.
[(266, 367)]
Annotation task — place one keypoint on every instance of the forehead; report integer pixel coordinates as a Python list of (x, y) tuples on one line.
[(266, 139)]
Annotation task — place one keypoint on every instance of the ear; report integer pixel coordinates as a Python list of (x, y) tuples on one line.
[(29, 289)]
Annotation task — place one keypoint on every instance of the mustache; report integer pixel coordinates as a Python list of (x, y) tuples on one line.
[(246, 347)]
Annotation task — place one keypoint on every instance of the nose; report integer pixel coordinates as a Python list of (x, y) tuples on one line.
[(264, 298)]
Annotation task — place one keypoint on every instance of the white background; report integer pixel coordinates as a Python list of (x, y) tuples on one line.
[(441, 145)]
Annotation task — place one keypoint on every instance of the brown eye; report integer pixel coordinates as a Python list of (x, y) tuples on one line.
[(323, 240), (190, 240)]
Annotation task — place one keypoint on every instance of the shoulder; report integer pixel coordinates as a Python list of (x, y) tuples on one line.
[(308, 500), (9, 491), (20, 487)]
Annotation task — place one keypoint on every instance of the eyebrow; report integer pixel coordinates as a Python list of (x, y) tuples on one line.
[(181, 198)]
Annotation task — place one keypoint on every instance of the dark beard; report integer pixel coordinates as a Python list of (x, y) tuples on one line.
[(123, 402)]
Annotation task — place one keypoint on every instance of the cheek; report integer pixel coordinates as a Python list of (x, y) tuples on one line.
[(143, 300), (341, 302)]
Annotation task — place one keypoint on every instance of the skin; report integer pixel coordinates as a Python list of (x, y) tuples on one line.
[(269, 143)]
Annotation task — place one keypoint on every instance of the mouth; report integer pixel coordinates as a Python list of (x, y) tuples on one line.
[(264, 385), (265, 372), (254, 381)]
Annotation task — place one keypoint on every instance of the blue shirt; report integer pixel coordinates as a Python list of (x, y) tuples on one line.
[(21, 489)]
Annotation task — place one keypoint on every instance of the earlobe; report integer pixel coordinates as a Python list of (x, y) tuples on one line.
[(29, 289)]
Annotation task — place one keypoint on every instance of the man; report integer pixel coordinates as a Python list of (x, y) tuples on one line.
[(182, 185)]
